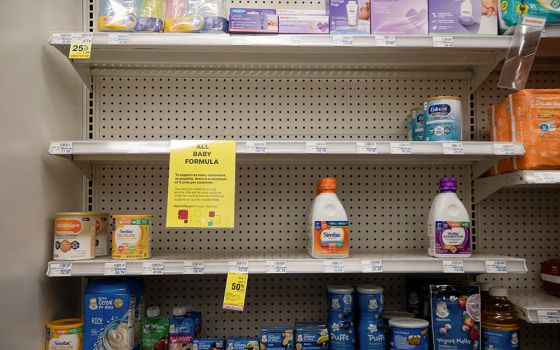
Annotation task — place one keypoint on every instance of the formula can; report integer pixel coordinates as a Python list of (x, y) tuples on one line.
[(74, 236), (131, 237), (65, 334), (102, 234), (443, 119), (408, 334), (417, 124)]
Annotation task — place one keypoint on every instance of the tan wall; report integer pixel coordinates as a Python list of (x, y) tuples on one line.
[(40, 100)]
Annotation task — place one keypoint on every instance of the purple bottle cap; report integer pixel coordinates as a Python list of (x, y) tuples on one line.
[(447, 184)]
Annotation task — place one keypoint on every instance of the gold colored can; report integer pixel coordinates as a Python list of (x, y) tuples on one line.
[(65, 334), (132, 237)]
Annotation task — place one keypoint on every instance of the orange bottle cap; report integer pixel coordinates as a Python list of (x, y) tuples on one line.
[(326, 185)]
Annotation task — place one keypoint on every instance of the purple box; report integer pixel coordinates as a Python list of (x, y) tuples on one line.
[(290, 24), (399, 17), (245, 20), (461, 17), (350, 16)]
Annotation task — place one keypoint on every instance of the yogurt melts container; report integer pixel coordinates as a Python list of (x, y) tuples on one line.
[(408, 334)]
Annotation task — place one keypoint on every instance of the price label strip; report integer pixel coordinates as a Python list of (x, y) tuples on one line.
[(401, 148), (548, 316), (385, 40), (316, 147), (366, 147), (152, 268), (194, 267), (276, 266), (236, 288), (369, 266), (241, 266), (115, 269), (453, 266), (333, 266), (80, 46), (343, 40), (453, 148), (60, 270), (496, 266), (507, 149), (118, 38), (256, 147), (60, 148), (443, 41)]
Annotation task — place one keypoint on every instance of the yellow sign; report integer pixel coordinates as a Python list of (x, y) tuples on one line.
[(201, 184), (236, 287), (80, 46)]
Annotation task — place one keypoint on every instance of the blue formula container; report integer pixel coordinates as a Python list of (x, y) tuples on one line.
[(443, 119), (109, 308), (417, 124), (340, 323), (370, 322), (408, 334)]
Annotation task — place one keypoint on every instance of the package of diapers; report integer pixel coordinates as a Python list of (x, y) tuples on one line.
[(130, 16), (511, 11), (195, 16), (455, 314)]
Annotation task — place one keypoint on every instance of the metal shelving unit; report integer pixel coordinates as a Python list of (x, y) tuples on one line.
[(292, 263), (486, 186)]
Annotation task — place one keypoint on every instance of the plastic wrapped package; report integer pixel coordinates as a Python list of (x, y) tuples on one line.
[(195, 16), (130, 16), (530, 116), (512, 10)]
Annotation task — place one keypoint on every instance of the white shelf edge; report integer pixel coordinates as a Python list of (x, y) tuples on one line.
[(537, 306), (297, 263), (486, 186)]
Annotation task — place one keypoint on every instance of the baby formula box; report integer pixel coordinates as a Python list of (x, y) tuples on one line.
[(443, 119), (131, 237), (277, 338), (74, 236), (417, 124), (109, 306), (102, 234), (408, 334), (65, 334)]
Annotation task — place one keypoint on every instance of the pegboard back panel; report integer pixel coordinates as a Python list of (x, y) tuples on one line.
[(264, 108), (387, 206)]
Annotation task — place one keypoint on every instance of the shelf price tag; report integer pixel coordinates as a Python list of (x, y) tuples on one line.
[(372, 266), (507, 149), (453, 266), (193, 267), (80, 46), (453, 148), (548, 316), (316, 147), (366, 147), (401, 148), (496, 266), (118, 38), (60, 148), (61, 38), (385, 40), (276, 266), (236, 288), (343, 40), (60, 270), (443, 41), (256, 147), (333, 266), (241, 266), (152, 268), (115, 268)]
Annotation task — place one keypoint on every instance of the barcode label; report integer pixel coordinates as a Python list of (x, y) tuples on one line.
[(366, 147), (507, 149), (372, 266), (343, 40), (496, 266), (60, 269), (333, 266), (548, 316), (115, 268), (241, 266), (118, 38), (316, 147), (276, 266), (443, 41), (453, 148), (453, 266), (152, 268), (60, 148), (385, 40), (401, 148), (194, 267), (256, 147)]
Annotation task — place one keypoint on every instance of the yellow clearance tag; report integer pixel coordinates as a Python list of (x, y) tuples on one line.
[(236, 287), (201, 184), (80, 46)]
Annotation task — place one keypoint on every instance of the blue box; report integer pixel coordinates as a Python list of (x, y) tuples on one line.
[(277, 338), (242, 344), (208, 344), (311, 336)]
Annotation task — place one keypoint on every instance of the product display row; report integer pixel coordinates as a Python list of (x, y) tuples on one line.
[(437, 315), (360, 17)]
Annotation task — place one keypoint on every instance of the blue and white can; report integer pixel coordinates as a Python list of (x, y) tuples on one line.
[(370, 301), (417, 124), (443, 119), (371, 335), (408, 334), (340, 323), (340, 299)]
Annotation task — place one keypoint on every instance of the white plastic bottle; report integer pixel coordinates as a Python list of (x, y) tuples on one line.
[(352, 12), (327, 234), (449, 225)]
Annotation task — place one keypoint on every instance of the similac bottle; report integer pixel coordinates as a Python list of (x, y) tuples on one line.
[(327, 235), (449, 225), (499, 322)]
